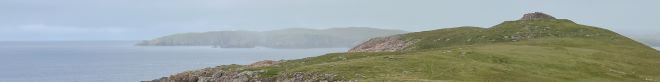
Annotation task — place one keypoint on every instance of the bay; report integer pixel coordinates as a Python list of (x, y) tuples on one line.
[(120, 61)]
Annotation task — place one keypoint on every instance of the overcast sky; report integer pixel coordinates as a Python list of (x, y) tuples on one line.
[(36, 20)]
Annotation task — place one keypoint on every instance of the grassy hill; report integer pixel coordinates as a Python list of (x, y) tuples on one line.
[(544, 50), (540, 50)]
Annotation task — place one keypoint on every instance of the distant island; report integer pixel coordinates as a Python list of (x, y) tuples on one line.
[(648, 40), (284, 38)]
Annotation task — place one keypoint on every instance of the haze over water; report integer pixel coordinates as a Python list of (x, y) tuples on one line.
[(109, 61)]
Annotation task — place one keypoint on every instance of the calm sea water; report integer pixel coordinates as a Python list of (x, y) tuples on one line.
[(112, 61)]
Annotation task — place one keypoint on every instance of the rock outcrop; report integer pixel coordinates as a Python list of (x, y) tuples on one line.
[(237, 73), (536, 16), (382, 44)]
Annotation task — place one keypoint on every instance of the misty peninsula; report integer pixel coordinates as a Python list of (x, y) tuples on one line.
[(283, 38)]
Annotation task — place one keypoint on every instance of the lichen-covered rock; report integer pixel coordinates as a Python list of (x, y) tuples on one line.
[(382, 44)]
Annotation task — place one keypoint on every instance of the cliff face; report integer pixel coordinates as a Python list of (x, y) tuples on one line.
[(284, 38), (382, 44)]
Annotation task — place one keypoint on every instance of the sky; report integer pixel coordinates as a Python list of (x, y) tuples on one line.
[(57, 20)]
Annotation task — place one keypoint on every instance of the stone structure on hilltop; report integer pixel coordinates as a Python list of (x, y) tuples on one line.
[(536, 16)]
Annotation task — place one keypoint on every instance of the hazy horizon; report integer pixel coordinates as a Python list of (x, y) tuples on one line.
[(71, 20)]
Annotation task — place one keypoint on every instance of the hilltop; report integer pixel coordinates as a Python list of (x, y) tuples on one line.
[(536, 49), (282, 38)]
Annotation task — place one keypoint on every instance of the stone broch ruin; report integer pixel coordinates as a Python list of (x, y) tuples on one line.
[(536, 16)]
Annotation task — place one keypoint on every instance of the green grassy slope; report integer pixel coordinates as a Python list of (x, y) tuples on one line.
[(514, 51)]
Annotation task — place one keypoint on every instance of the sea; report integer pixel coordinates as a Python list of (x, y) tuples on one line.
[(121, 61), (657, 48)]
